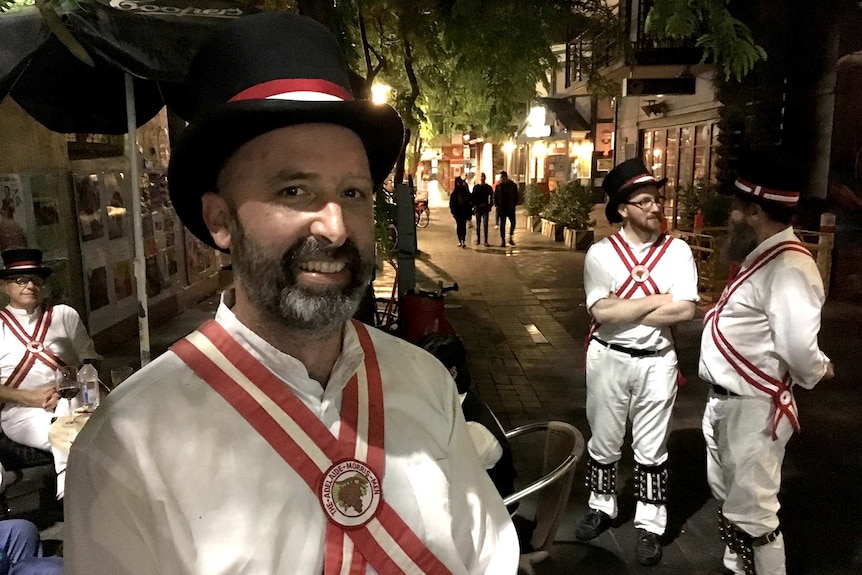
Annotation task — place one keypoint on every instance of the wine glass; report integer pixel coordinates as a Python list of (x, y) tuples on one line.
[(120, 374), (66, 381)]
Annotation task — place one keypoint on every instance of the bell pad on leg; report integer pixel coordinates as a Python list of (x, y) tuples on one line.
[(651, 483), (601, 478)]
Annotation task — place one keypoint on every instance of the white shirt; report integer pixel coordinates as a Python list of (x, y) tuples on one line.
[(773, 319), (67, 338), (487, 447), (604, 272), (167, 478)]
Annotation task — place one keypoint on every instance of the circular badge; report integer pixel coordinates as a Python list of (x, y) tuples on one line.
[(350, 493), (35, 346), (640, 273), (786, 397)]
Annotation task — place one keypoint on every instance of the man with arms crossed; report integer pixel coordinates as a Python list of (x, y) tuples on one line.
[(282, 437), (759, 340), (638, 283)]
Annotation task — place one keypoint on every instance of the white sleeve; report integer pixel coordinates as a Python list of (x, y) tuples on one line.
[(793, 307), (684, 286), (481, 527), (598, 283), (489, 449)]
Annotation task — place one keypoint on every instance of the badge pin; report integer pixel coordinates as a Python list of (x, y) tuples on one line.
[(35, 346), (640, 273), (350, 493)]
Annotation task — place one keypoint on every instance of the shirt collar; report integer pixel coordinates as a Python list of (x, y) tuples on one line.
[(634, 247), (784, 235), (21, 312), (287, 367)]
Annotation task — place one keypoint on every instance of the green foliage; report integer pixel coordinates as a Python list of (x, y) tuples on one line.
[(15, 5), (385, 212), (703, 196), (570, 206), (535, 200), (726, 41)]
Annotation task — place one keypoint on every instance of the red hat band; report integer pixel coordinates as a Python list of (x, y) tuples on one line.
[(298, 89), (787, 198)]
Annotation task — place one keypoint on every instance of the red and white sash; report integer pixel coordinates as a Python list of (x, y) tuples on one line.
[(34, 344), (345, 474), (639, 271), (780, 390)]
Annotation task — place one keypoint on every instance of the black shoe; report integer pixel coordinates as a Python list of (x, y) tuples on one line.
[(503, 245), (511, 241), (648, 548), (592, 525)]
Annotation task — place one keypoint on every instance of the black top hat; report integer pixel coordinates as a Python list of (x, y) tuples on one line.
[(770, 176), (23, 261), (624, 180), (257, 74)]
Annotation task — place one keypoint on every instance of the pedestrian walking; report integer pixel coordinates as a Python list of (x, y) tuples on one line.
[(283, 437), (639, 282), (459, 206), (482, 199), (760, 341), (506, 200)]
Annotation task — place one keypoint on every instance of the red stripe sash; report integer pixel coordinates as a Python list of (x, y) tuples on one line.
[(781, 391), (34, 345), (346, 474), (639, 272)]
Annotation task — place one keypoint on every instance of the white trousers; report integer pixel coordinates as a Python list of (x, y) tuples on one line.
[(644, 389), (30, 425), (743, 466)]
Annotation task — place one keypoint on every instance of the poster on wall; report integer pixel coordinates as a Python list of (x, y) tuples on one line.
[(89, 205), (124, 280), (13, 216), (116, 202)]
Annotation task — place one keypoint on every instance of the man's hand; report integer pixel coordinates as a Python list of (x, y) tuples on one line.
[(830, 371), (45, 397)]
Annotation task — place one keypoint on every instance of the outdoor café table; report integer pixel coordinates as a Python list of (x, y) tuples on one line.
[(65, 429)]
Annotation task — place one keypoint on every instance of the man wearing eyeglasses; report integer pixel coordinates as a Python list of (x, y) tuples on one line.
[(639, 282), (34, 341)]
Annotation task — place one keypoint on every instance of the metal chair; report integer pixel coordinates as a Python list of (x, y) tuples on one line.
[(564, 447)]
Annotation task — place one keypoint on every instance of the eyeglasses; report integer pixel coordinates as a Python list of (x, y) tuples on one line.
[(24, 280), (647, 204)]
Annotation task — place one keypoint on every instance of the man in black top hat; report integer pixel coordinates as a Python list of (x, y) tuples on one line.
[(282, 437), (638, 282), (759, 342)]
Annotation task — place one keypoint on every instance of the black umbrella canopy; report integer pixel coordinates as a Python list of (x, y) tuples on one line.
[(153, 41)]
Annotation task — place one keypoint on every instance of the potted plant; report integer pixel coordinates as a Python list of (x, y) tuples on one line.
[(535, 200), (569, 209)]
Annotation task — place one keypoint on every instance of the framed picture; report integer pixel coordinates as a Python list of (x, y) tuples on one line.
[(604, 164)]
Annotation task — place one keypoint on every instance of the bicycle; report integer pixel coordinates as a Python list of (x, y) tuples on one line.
[(422, 214)]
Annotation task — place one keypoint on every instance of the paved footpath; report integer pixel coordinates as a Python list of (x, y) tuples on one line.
[(521, 314)]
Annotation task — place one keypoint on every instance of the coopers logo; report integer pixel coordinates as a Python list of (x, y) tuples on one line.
[(158, 9)]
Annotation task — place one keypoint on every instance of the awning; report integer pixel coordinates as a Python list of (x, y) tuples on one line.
[(567, 114)]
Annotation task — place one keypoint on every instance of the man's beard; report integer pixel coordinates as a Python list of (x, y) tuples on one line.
[(271, 284), (741, 241)]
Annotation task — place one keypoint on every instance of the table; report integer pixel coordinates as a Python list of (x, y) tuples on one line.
[(65, 429)]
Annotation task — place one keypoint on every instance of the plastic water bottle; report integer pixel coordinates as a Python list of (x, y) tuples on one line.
[(89, 378)]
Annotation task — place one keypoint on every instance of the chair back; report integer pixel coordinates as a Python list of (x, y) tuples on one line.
[(564, 447), (561, 442)]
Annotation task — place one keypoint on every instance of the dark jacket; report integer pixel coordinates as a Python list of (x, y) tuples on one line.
[(506, 197), (482, 198), (459, 202)]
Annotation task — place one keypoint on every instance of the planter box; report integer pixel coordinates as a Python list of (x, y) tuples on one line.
[(578, 239), (552, 230), (534, 223)]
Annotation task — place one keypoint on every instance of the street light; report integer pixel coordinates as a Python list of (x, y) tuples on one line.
[(380, 93)]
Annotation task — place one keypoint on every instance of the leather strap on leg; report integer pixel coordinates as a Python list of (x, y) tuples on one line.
[(651, 483), (738, 541), (601, 478)]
